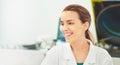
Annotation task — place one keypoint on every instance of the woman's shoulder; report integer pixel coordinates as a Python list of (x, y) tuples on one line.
[(52, 50), (57, 48), (102, 53), (100, 50), (52, 55), (103, 56)]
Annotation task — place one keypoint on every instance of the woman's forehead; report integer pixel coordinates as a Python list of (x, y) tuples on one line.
[(69, 15)]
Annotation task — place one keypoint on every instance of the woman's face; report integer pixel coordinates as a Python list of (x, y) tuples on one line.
[(72, 27)]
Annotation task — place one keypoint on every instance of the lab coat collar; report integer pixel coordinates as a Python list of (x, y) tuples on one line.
[(91, 58), (69, 57)]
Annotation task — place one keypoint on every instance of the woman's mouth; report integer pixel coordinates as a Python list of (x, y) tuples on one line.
[(68, 34)]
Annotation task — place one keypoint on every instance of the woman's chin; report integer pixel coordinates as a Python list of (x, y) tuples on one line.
[(68, 40)]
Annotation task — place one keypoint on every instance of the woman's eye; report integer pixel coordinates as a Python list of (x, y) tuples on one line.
[(70, 23)]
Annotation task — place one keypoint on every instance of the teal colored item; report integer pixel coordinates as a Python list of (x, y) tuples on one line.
[(79, 63)]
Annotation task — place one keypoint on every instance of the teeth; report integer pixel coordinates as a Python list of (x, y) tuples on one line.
[(68, 34)]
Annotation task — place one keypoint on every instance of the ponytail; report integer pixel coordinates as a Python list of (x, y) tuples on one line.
[(90, 36)]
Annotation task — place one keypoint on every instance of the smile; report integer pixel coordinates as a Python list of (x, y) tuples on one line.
[(68, 34)]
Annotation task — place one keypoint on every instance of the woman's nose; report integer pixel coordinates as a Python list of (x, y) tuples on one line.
[(64, 28)]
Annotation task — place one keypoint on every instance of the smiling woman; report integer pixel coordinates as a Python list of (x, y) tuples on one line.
[(79, 49)]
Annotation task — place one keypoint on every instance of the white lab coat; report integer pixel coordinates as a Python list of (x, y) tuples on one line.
[(62, 55)]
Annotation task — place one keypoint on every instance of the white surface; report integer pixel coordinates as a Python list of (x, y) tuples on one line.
[(20, 57), (116, 61)]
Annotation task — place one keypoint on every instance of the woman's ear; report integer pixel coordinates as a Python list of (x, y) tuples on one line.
[(86, 25)]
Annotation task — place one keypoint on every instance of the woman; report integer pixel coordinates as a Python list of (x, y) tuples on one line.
[(79, 50)]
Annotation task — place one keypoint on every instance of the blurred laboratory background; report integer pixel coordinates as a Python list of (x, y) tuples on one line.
[(29, 28)]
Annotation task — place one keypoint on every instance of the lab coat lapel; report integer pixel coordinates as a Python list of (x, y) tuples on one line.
[(68, 56), (91, 58)]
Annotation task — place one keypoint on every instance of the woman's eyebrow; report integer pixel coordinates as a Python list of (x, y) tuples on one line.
[(69, 20), (66, 21)]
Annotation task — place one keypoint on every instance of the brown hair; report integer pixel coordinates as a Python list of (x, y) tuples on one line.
[(83, 13)]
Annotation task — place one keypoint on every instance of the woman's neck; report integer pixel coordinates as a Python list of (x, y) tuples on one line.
[(80, 50), (80, 45)]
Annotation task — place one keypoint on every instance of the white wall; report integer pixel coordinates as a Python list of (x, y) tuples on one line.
[(24, 21)]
